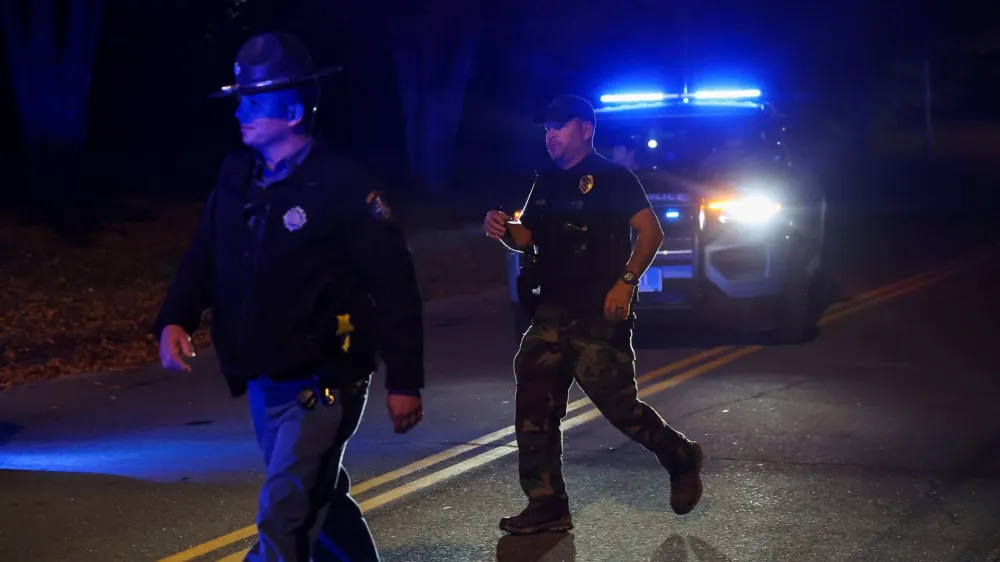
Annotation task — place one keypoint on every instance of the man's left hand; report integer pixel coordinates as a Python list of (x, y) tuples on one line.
[(405, 411), (618, 302)]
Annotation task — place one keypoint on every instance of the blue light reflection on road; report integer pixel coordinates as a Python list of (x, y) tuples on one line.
[(143, 458)]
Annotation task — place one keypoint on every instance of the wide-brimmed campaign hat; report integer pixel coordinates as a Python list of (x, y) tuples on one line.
[(272, 61)]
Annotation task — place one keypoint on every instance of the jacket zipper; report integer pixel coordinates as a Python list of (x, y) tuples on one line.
[(250, 268)]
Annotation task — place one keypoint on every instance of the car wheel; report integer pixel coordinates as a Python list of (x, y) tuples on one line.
[(800, 308)]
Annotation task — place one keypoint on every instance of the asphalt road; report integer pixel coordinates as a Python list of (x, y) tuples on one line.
[(877, 441)]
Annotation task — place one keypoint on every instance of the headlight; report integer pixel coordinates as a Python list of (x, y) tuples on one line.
[(747, 209)]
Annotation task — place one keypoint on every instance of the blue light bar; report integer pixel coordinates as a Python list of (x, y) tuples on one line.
[(704, 95), (673, 214), (635, 98), (726, 94)]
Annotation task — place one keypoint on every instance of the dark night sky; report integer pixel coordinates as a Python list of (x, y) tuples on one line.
[(804, 54)]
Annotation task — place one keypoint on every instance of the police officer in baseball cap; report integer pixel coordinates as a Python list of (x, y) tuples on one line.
[(308, 278), (580, 215)]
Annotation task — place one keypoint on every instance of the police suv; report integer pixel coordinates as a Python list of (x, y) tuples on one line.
[(743, 220)]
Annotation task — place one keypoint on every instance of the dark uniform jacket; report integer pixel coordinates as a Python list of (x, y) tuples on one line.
[(310, 273), (579, 220)]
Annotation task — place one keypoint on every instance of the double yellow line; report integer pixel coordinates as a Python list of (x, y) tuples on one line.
[(706, 361)]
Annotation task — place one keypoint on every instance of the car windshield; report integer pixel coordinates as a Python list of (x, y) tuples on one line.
[(695, 146)]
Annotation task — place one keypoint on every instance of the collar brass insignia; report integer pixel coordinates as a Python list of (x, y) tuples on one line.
[(586, 184)]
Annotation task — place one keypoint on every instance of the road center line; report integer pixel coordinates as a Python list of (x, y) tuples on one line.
[(432, 460), (722, 355), (847, 311), (593, 413), (509, 430), (895, 290)]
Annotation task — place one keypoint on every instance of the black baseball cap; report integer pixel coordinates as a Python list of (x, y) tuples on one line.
[(564, 107)]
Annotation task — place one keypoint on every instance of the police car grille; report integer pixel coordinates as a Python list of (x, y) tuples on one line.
[(675, 227), (678, 232)]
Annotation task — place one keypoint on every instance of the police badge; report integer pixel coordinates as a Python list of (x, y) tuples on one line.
[(586, 184), (295, 218)]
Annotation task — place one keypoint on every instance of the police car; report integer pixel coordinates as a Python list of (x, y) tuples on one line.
[(743, 219)]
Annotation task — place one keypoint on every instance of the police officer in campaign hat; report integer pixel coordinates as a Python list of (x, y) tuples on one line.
[(308, 277), (580, 214)]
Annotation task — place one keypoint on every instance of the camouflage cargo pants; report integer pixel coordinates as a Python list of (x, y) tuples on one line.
[(556, 350)]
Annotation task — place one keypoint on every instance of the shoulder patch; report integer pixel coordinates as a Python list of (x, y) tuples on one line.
[(378, 206)]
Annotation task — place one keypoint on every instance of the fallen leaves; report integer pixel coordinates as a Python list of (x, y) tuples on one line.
[(66, 309)]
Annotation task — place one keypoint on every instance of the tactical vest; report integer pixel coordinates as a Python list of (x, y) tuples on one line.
[(582, 251)]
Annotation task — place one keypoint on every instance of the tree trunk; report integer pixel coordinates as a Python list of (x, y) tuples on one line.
[(435, 49), (51, 56), (928, 110), (408, 62)]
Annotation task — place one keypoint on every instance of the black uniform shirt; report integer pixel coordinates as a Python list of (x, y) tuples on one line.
[(579, 219)]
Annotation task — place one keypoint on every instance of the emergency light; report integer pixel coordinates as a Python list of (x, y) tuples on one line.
[(747, 208), (636, 98), (726, 94), (647, 97)]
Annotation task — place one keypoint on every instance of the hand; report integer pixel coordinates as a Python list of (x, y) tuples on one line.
[(495, 224), (618, 302), (175, 345), (405, 411)]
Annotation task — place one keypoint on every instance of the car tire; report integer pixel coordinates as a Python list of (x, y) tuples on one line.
[(793, 318), (800, 308)]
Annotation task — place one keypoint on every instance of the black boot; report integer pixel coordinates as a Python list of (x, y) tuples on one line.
[(684, 466), (540, 516)]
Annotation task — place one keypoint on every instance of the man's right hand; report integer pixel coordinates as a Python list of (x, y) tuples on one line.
[(404, 411), (495, 224), (175, 346)]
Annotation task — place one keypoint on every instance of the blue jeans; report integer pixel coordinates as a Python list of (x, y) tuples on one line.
[(305, 511)]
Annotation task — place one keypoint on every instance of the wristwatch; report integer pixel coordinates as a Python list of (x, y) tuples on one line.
[(630, 278)]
